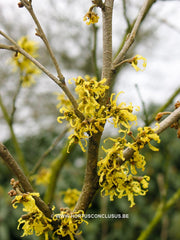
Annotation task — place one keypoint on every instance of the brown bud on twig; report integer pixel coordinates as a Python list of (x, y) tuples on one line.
[(177, 104), (37, 33), (175, 125), (20, 5), (159, 116), (12, 193)]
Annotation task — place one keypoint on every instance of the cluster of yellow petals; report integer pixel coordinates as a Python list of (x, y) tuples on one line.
[(91, 18), (121, 114), (89, 92), (68, 223), (27, 69), (42, 177), (117, 176), (34, 221), (71, 197)]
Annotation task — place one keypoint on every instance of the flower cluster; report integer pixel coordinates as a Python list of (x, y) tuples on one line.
[(42, 177), (34, 221), (90, 91), (71, 197), (117, 175), (68, 223), (25, 66)]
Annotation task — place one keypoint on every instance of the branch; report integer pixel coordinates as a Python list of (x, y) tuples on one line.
[(130, 38), (14, 101), (55, 170), (91, 183), (172, 118), (125, 14), (107, 40), (14, 167), (55, 142), (41, 34), (161, 109), (61, 84), (158, 215), (17, 148)]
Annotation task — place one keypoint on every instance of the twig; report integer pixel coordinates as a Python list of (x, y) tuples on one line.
[(61, 84), (41, 34), (162, 108), (55, 142), (14, 102), (107, 40), (130, 38), (158, 215), (17, 148), (143, 105), (172, 118), (55, 170), (90, 185), (125, 14), (14, 167)]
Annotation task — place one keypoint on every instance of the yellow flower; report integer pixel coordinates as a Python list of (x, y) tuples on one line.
[(121, 114), (145, 135), (34, 220), (68, 223), (27, 69), (71, 197), (42, 177), (89, 91), (91, 17), (135, 63)]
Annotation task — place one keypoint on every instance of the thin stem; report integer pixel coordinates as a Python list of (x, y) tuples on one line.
[(143, 104), (158, 215), (130, 38), (14, 101), (162, 108), (56, 168), (17, 147), (61, 84), (125, 14), (14, 167), (44, 155), (172, 118), (42, 35)]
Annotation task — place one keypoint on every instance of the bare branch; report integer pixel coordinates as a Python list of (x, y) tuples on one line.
[(130, 39), (91, 184), (17, 48), (107, 40), (41, 34), (172, 118), (45, 154), (14, 167)]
